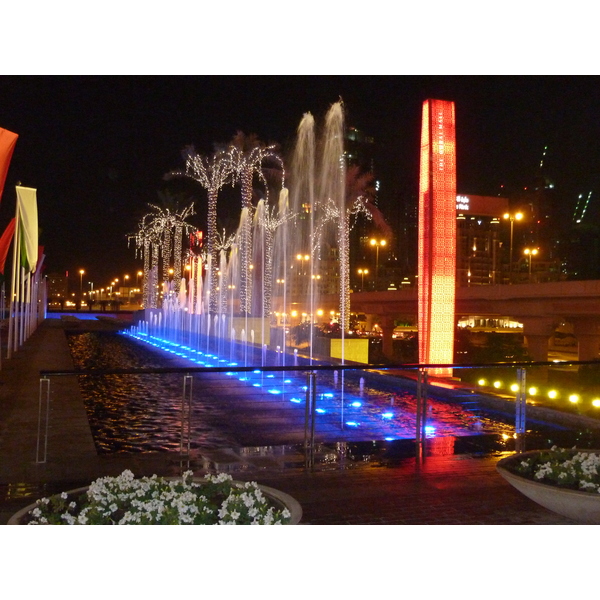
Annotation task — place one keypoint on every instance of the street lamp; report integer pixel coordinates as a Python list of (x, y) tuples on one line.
[(302, 258), (377, 243), (362, 273), (81, 273), (530, 253), (513, 217)]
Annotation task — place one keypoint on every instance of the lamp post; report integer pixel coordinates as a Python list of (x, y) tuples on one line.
[(512, 217), (302, 258), (126, 285), (362, 273), (377, 243), (530, 253), (81, 273)]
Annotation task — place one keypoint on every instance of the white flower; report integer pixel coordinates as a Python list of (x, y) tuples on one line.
[(150, 500), (70, 519)]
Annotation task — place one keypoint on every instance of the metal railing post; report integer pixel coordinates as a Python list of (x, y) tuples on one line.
[(313, 420), (309, 420), (520, 409), (186, 423), (421, 416), (44, 381)]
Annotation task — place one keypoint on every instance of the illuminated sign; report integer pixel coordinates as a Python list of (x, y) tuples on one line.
[(437, 235), (462, 203)]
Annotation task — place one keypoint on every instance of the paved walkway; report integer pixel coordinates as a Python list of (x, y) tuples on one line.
[(457, 489)]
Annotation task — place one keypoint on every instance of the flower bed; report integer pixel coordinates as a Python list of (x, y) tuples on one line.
[(124, 500), (570, 469)]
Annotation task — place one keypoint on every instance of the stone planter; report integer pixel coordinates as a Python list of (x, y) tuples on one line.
[(278, 498), (583, 507)]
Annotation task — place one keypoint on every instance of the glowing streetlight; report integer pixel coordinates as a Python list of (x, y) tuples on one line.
[(513, 217), (362, 273), (81, 274), (530, 253), (302, 258), (377, 243)]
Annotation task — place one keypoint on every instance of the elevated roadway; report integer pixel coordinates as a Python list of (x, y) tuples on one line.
[(540, 307)]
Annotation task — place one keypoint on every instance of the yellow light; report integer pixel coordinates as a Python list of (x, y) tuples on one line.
[(481, 382), (294, 313), (596, 402), (533, 391), (552, 394), (574, 398), (497, 384), (320, 312), (514, 387)]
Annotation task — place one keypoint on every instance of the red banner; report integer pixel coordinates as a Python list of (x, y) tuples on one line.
[(8, 139), (5, 241)]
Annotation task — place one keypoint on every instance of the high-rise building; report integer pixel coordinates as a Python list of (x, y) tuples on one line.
[(479, 256)]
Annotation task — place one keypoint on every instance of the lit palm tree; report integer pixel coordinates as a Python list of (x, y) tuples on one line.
[(250, 157), (212, 173)]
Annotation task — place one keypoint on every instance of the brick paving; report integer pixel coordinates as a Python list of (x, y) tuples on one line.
[(440, 490)]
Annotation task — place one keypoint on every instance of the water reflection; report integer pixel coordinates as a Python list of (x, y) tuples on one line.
[(135, 413)]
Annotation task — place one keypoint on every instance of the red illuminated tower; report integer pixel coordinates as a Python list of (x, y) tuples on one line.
[(437, 235)]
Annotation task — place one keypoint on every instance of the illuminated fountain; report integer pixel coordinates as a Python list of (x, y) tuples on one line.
[(289, 254), (290, 249)]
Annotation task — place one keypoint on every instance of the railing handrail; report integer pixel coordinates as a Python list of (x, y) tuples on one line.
[(309, 368)]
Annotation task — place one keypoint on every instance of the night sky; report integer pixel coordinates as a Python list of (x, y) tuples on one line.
[(97, 147)]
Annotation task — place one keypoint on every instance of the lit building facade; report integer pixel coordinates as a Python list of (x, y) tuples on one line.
[(478, 239), (58, 287), (437, 235)]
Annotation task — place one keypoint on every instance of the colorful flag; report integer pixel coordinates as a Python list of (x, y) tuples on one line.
[(5, 242), (28, 227), (8, 139)]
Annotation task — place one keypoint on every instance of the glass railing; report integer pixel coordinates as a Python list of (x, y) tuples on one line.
[(309, 414)]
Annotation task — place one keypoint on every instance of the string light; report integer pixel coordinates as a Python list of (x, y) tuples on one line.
[(247, 155), (212, 173), (156, 232)]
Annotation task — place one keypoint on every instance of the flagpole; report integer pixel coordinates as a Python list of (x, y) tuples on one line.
[(13, 287), (28, 298)]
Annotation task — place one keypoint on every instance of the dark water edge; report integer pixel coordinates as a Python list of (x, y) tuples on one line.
[(134, 413)]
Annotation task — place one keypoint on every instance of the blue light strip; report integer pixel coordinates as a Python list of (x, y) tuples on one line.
[(294, 393)]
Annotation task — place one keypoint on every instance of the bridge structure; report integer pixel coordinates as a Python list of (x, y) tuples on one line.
[(539, 307)]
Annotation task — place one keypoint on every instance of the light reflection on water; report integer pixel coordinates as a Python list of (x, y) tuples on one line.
[(132, 413)]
